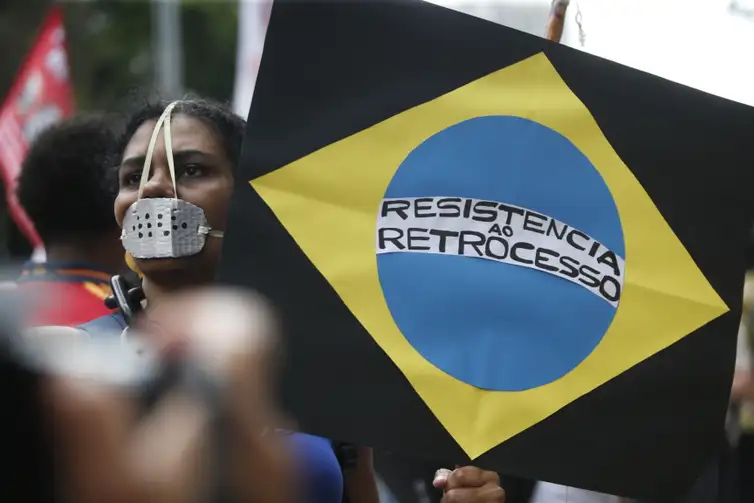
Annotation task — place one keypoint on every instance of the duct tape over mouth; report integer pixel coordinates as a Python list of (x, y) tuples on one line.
[(164, 227)]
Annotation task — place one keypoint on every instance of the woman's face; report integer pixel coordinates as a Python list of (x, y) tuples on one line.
[(204, 177)]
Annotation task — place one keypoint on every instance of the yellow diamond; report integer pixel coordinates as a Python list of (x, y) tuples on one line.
[(328, 202)]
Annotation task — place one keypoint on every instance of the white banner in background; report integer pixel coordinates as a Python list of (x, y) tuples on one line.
[(253, 18), (705, 44)]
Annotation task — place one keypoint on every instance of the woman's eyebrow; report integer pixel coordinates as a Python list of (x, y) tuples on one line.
[(183, 155), (133, 161), (178, 156)]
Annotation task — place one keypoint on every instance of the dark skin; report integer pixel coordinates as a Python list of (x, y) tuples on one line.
[(104, 252), (204, 177)]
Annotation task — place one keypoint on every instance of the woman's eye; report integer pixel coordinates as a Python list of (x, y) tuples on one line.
[(192, 170), (131, 179)]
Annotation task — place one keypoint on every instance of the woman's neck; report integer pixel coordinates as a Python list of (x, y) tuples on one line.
[(157, 288)]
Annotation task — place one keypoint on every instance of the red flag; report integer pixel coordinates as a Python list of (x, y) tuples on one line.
[(41, 96)]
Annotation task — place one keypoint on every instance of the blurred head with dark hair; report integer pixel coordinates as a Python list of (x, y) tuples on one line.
[(67, 187)]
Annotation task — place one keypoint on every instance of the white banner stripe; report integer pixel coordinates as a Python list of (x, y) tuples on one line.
[(500, 232)]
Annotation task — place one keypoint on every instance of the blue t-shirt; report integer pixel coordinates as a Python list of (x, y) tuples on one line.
[(321, 476)]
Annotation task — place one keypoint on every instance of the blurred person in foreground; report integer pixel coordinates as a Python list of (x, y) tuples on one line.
[(67, 189), (175, 172), (111, 449)]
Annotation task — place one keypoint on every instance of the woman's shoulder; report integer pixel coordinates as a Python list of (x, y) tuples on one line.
[(54, 333), (96, 328), (109, 324), (316, 450), (307, 439), (316, 460)]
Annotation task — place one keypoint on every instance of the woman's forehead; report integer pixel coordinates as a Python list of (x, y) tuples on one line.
[(187, 133)]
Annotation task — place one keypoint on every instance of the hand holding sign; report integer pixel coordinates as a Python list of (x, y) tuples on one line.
[(469, 484)]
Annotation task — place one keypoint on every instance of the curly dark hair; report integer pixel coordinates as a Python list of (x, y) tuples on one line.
[(66, 185), (228, 126)]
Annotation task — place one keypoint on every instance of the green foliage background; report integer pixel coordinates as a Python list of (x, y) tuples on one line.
[(110, 54)]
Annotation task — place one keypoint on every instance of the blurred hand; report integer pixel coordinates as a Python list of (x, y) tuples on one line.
[(229, 334), (469, 484), (112, 454)]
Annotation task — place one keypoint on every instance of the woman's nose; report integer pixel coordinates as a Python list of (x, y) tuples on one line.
[(159, 184)]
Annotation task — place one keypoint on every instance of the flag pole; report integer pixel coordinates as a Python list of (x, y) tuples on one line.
[(168, 47), (557, 19)]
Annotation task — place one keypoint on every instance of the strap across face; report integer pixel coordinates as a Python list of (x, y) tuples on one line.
[(164, 120)]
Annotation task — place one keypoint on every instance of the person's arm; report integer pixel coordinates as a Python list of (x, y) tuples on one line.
[(742, 387), (742, 379), (360, 485)]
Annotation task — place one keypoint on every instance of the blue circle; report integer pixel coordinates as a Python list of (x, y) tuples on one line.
[(493, 325)]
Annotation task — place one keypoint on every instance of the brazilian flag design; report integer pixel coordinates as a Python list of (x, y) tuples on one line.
[(490, 248)]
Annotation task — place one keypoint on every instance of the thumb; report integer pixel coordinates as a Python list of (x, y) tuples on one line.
[(441, 478)]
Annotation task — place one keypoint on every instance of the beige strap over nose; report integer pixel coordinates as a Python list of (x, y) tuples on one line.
[(164, 120)]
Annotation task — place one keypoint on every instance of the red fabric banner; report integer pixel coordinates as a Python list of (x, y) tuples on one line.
[(41, 96)]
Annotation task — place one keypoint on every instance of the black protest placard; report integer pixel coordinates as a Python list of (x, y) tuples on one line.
[(575, 343)]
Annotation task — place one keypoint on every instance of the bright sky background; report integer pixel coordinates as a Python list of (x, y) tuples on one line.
[(698, 43)]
